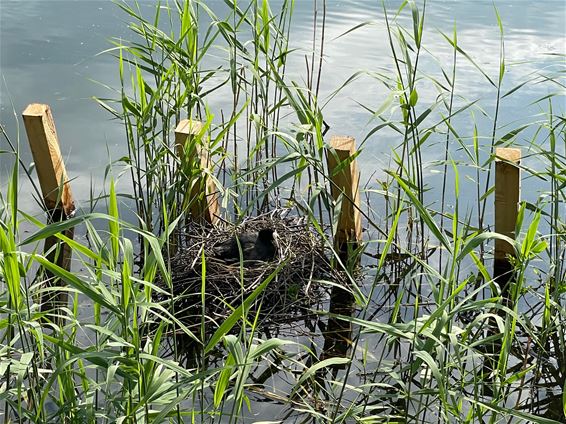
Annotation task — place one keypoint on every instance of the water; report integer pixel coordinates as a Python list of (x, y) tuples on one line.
[(50, 54)]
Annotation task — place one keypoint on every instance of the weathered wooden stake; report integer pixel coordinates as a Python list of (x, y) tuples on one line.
[(202, 197), (56, 190), (344, 177), (507, 193)]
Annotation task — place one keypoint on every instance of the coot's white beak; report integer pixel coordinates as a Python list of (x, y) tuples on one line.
[(276, 239)]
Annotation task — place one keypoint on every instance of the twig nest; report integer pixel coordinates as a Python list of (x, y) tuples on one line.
[(207, 259)]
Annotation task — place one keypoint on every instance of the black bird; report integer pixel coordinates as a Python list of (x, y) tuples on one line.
[(261, 246)]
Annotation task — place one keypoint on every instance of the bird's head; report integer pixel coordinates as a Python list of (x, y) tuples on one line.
[(267, 235)]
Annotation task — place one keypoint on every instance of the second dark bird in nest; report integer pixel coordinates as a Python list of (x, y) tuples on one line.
[(260, 246)]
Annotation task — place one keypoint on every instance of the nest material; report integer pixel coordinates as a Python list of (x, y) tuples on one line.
[(300, 264)]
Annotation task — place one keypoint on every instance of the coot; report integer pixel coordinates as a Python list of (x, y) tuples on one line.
[(261, 246)]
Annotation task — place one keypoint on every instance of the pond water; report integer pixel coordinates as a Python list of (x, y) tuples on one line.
[(50, 54)]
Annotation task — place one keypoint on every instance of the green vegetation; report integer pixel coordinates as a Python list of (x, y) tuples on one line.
[(434, 339)]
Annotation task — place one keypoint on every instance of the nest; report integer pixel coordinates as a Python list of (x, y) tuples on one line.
[(295, 274)]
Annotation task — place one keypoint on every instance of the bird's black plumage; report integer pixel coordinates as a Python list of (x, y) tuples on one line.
[(261, 246)]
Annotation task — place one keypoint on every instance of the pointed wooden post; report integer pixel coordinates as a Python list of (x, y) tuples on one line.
[(507, 194), (201, 196), (55, 188)]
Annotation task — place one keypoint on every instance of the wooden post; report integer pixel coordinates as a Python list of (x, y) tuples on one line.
[(344, 178), (44, 144), (202, 196), (507, 192), (55, 188)]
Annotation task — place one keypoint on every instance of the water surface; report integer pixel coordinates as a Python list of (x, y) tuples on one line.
[(50, 53)]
